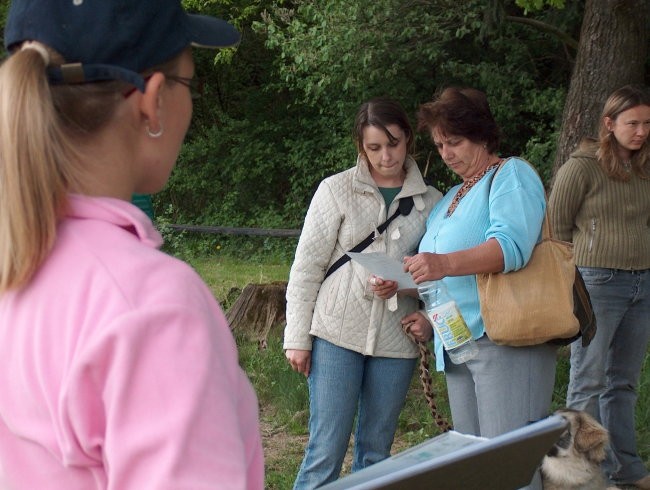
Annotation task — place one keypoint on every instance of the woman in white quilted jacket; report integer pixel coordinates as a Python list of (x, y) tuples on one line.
[(345, 339)]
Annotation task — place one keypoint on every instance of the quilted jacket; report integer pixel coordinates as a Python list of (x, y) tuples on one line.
[(342, 309)]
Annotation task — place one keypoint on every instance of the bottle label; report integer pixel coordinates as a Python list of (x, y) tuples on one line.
[(449, 324)]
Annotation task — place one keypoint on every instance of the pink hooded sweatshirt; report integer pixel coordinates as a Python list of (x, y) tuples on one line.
[(119, 370)]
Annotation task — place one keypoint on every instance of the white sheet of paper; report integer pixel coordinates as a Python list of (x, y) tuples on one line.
[(381, 265)]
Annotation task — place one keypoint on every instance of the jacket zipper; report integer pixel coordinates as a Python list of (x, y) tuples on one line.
[(593, 234)]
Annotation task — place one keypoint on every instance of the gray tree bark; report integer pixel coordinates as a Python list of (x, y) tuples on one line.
[(259, 311), (612, 51)]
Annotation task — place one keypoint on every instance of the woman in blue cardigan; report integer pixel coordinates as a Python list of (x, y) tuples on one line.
[(488, 223)]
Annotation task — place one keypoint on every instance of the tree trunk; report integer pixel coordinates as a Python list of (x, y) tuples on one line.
[(612, 52), (259, 309)]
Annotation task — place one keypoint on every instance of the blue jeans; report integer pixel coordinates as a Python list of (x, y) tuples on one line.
[(341, 383), (604, 376)]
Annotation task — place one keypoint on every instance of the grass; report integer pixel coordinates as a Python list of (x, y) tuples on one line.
[(227, 276), (283, 393)]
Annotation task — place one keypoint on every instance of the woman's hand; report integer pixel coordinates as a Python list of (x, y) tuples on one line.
[(300, 360), (427, 266), (484, 258), (382, 287), (421, 328)]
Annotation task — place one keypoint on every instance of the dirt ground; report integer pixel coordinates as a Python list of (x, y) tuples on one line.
[(279, 445)]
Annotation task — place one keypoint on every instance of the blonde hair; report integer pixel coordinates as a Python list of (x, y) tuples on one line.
[(32, 179), (619, 101), (40, 128)]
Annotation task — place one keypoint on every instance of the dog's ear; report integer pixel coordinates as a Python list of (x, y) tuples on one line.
[(590, 437)]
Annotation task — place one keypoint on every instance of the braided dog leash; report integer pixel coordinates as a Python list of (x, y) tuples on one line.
[(425, 378)]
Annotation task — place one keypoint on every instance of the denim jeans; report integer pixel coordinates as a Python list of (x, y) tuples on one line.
[(604, 376), (342, 384)]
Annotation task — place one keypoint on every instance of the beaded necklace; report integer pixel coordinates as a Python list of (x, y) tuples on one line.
[(467, 185)]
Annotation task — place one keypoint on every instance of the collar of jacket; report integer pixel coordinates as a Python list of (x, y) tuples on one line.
[(413, 182)]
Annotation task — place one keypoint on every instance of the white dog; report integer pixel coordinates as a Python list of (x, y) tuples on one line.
[(573, 463)]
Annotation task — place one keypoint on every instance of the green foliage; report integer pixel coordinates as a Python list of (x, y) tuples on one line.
[(4, 11), (334, 55), (276, 383), (354, 49), (174, 243), (416, 421), (335, 52), (532, 5), (279, 109), (223, 273)]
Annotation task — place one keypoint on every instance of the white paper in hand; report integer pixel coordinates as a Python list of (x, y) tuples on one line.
[(381, 265)]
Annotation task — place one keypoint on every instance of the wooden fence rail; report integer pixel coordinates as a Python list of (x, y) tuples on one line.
[(226, 230)]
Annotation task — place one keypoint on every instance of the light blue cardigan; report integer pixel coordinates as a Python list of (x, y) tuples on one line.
[(511, 211)]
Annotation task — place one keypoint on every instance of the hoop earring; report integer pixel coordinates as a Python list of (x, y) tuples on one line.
[(157, 134)]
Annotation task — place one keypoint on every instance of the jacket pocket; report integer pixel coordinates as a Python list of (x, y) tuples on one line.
[(334, 294)]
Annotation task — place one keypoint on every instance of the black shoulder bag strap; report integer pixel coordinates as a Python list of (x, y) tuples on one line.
[(404, 208)]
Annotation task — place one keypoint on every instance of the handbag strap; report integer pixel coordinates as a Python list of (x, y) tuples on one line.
[(404, 208)]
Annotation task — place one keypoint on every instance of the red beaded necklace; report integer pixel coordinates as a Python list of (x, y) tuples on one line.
[(467, 185)]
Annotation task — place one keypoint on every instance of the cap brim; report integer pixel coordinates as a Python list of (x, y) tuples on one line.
[(210, 32)]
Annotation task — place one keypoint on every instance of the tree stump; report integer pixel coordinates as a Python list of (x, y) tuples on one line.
[(259, 310)]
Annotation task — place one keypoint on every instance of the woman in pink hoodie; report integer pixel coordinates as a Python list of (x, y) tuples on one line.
[(119, 370)]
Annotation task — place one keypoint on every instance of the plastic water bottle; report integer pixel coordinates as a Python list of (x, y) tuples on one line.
[(448, 322)]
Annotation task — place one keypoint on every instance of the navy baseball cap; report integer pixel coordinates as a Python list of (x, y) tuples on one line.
[(112, 39)]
